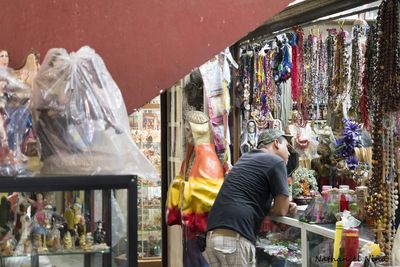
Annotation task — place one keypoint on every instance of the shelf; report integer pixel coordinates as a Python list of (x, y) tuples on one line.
[(150, 207), (65, 183), (61, 253)]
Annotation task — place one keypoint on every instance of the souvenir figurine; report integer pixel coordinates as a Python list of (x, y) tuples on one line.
[(82, 241), (67, 240), (24, 245), (54, 236), (38, 204), (69, 217), (89, 241), (36, 240), (99, 234)]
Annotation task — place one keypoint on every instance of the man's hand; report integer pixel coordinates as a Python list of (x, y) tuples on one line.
[(292, 209)]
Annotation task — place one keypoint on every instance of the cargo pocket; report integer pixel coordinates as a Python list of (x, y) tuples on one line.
[(226, 247)]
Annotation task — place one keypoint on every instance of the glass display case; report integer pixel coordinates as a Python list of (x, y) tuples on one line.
[(145, 126), (68, 221), (295, 243), (149, 220)]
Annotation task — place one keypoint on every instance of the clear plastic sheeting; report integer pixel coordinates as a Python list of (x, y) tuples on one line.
[(14, 115), (81, 120)]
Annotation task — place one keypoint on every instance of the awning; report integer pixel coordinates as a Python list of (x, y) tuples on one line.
[(147, 45)]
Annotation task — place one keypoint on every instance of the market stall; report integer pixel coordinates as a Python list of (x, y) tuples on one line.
[(333, 86)]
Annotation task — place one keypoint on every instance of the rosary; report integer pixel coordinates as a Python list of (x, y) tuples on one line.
[(356, 65), (382, 84)]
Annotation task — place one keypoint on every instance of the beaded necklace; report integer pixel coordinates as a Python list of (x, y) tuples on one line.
[(391, 197), (295, 70), (322, 96), (388, 88), (271, 86), (355, 79), (367, 98), (386, 98), (341, 76), (330, 67), (310, 71), (301, 117)]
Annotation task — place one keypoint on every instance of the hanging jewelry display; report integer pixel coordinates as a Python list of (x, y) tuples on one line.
[(356, 71), (340, 79), (295, 68), (301, 114), (322, 95), (388, 59), (341, 76), (383, 183), (330, 70), (261, 86), (310, 71), (391, 179), (368, 93), (271, 86), (245, 75)]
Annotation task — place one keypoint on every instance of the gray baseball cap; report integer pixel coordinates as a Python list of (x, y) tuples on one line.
[(270, 135)]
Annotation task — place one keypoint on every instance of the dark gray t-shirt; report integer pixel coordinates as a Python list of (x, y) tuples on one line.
[(247, 192)]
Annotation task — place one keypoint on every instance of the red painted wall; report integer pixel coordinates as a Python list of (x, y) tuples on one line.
[(147, 45)]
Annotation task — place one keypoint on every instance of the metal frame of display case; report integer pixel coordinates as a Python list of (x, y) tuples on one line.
[(319, 229), (74, 183)]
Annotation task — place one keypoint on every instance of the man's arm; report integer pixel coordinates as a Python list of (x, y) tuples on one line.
[(280, 206)]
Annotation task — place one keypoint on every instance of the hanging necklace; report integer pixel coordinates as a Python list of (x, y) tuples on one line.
[(330, 68), (367, 98), (295, 68), (341, 75), (388, 89), (322, 96), (355, 79)]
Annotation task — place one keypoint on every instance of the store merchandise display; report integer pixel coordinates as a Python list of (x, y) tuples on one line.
[(145, 130), (65, 117), (281, 242), (342, 114), (33, 224)]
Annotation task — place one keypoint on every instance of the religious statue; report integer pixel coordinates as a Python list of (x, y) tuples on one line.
[(99, 234), (249, 137)]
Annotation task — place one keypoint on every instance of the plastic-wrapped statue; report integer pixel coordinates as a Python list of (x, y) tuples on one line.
[(20, 128), (14, 95), (81, 120)]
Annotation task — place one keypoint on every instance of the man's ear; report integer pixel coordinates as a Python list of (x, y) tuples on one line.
[(276, 144)]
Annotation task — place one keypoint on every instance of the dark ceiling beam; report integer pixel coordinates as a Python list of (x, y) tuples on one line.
[(301, 13)]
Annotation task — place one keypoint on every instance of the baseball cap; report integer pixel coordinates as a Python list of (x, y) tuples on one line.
[(270, 135)]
